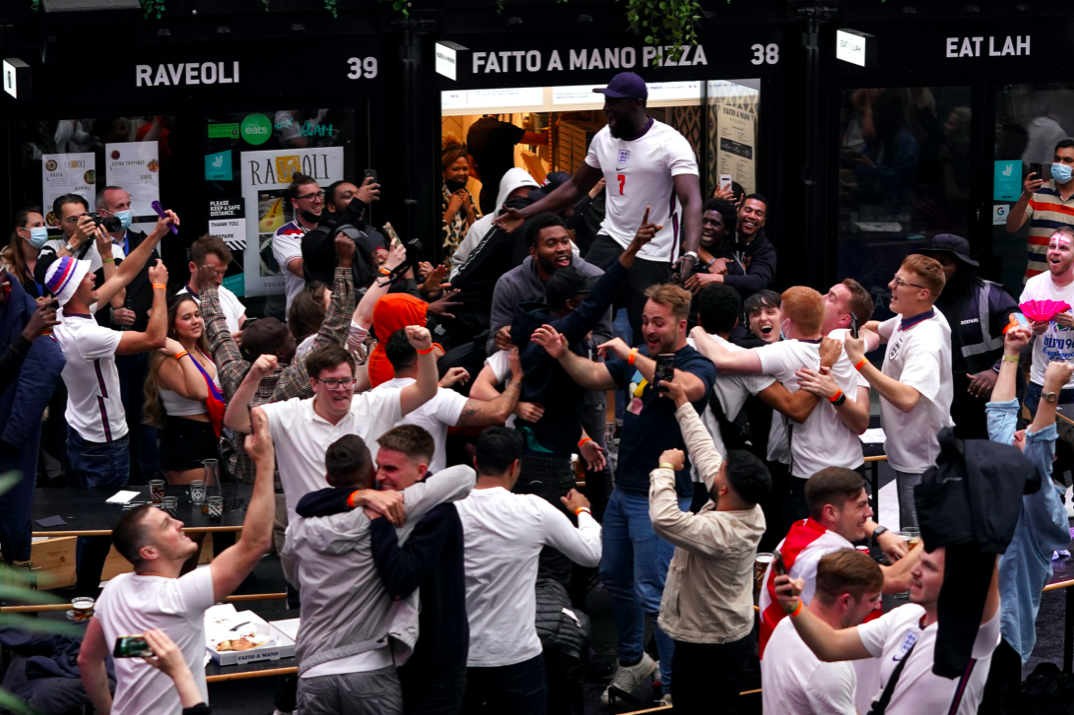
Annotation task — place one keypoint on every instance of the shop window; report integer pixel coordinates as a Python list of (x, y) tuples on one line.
[(903, 177)]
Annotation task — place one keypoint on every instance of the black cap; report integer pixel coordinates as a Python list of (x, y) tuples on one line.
[(551, 182), (566, 283), (625, 85), (950, 243)]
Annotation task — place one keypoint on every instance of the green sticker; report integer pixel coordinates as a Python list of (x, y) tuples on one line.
[(256, 129), (223, 131), (236, 284)]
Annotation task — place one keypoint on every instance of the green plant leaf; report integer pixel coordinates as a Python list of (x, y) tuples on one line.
[(42, 625), (15, 704)]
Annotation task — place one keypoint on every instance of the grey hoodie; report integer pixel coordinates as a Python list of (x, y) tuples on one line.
[(522, 284), (345, 609)]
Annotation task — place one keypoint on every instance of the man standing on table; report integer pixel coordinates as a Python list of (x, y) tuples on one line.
[(915, 383), (155, 596), (645, 163)]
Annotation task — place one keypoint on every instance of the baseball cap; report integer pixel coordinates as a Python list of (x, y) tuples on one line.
[(566, 283), (625, 84), (64, 276), (551, 182), (950, 243)]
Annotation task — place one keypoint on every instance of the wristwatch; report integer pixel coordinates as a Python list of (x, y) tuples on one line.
[(841, 399), (69, 247), (692, 255), (877, 532), (1049, 396)]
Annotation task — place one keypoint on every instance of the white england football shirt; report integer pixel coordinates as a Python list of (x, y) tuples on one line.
[(1057, 342), (639, 173), (94, 407), (287, 246)]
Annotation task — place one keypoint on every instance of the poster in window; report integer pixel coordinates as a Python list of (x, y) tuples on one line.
[(736, 147), (67, 174), (265, 177), (135, 167)]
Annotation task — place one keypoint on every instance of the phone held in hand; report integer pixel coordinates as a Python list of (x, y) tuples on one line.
[(371, 174), (132, 647), (1037, 169), (778, 567), (854, 332), (665, 370), (725, 182)]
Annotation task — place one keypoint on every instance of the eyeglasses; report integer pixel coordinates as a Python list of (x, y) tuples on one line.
[(899, 283), (312, 197), (334, 385)]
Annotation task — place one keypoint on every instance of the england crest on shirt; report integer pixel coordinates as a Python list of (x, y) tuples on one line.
[(906, 645), (624, 155)]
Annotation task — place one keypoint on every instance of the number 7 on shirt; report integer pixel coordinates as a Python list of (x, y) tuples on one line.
[(622, 181)]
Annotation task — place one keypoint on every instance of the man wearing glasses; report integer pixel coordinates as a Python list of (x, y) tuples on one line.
[(307, 202), (915, 384), (302, 430)]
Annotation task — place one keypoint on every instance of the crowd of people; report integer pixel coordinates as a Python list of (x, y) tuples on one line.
[(414, 438)]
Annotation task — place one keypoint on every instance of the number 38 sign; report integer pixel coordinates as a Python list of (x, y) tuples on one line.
[(765, 54)]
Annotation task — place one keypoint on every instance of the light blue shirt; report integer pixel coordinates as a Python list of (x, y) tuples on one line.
[(1026, 566)]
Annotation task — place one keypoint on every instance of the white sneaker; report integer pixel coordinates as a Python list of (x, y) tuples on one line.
[(627, 678)]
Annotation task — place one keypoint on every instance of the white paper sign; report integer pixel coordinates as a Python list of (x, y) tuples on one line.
[(265, 177), (135, 167), (232, 231), (999, 214), (67, 174)]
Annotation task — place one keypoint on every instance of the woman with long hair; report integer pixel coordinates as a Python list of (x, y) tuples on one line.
[(182, 395), (19, 257), (456, 201)]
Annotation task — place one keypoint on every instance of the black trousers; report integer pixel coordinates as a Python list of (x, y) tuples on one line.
[(432, 695), (707, 676), (1004, 685), (549, 479), (603, 253), (518, 689)]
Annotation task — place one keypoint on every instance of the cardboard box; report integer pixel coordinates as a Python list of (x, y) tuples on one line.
[(218, 623)]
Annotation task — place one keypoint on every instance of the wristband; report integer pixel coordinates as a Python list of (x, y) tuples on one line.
[(426, 352), (385, 272), (580, 509), (836, 396), (179, 356), (584, 440), (160, 285), (1013, 359), (107, 260), (859, 365), (665, 465), (633, 354), (351, 497), (797, 610)]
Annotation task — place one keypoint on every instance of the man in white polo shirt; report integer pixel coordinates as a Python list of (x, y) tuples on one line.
[(648, 167), (97, 443), (303, 429), (915, 383)]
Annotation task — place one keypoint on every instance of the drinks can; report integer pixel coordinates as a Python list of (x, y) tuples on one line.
[(760, 566), (156, 490)]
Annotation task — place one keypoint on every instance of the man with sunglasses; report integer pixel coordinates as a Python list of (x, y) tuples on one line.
[(303, 429), (307, 202), (915, 384)]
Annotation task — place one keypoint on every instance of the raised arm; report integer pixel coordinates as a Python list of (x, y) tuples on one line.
[(424, 389), (688, 190), (134, 263), (729, 362), (902, 396), (156, 331), (566, 195), (588, 374), (698, 441), (363, 314), (581, 545), (237, 561), (237, 416), (827, 643), (479, 413), (230, 366)]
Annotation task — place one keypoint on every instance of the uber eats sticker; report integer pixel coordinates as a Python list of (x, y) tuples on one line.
[(255, 129)]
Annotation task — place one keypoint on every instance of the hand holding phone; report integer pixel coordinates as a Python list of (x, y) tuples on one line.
[(665, 370), (132, 647), (778, 566), (854, 326)]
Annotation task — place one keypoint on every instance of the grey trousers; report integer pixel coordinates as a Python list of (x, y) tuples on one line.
[(907, 510), (374, 693)]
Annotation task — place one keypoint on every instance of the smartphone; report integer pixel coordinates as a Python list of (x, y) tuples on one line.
[(778, 567), (371, 174), (248, 322), (389, 231), (665, 370), (854, 326), (132, 647), (725, 182), (1038, 169)]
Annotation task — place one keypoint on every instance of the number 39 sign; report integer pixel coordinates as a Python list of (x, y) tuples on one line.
[(362, 68)]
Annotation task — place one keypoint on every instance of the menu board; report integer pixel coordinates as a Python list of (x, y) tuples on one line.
[(135, 168), (67, 174)]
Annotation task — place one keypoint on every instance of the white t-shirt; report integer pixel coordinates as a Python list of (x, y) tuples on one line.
[(639, 173), (732, 391), (355, 339), (229, 303), (500, 364), (919, 690), (503, 534), (302, 437), (287, 246), (435, 416), (919, 356), (94, 408), (796, 682), (131, 605), (822, 440), (1057, 342)]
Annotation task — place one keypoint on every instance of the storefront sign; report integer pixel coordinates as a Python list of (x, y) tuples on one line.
[(135, 167), (857, 48), (16, 78), (185, 74), (67, 174), (990, 46), (600, 58), (447, 60), (1007, 180), (265, 178)]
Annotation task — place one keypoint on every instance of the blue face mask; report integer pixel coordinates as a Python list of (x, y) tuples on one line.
[(125, 218), (38, 236), (1061, 173)]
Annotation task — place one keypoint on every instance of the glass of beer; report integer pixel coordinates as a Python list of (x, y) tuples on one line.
[(760, 566)]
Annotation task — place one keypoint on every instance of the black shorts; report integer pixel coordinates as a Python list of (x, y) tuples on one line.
[(184, 443)]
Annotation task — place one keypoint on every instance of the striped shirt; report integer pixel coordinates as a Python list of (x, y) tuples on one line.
[(1047, 211)]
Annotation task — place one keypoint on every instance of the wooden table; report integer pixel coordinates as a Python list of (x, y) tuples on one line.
[(87, 513)]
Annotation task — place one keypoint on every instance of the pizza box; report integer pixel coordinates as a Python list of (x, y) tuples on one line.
[(223, 622)]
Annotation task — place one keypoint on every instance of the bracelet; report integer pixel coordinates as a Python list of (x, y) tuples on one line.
[(580, 509), (665, 465), (160, 285), (107, 260), (426, 352), (633, 354), (1010, 359), (584, 440), (351, 498), (385, 272), (180, 355), (859, 365), (836, 396), (797, 610)]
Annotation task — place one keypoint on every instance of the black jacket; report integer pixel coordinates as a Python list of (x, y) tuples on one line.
[(319, 250), (752, 267), (140, 289)]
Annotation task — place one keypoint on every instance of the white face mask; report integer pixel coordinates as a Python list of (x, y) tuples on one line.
[(38, 236)]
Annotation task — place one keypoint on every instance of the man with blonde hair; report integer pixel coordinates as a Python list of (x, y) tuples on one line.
[(635, 560), (915, 382), (828, 436), (1052, 337)]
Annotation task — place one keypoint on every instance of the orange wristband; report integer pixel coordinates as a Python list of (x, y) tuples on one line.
[(836, 396), (426, 352), (580, 509), (633, 354), (858, 366), (160, 285), (350, 499), (797, 610), (180, 355), (584, 440)]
